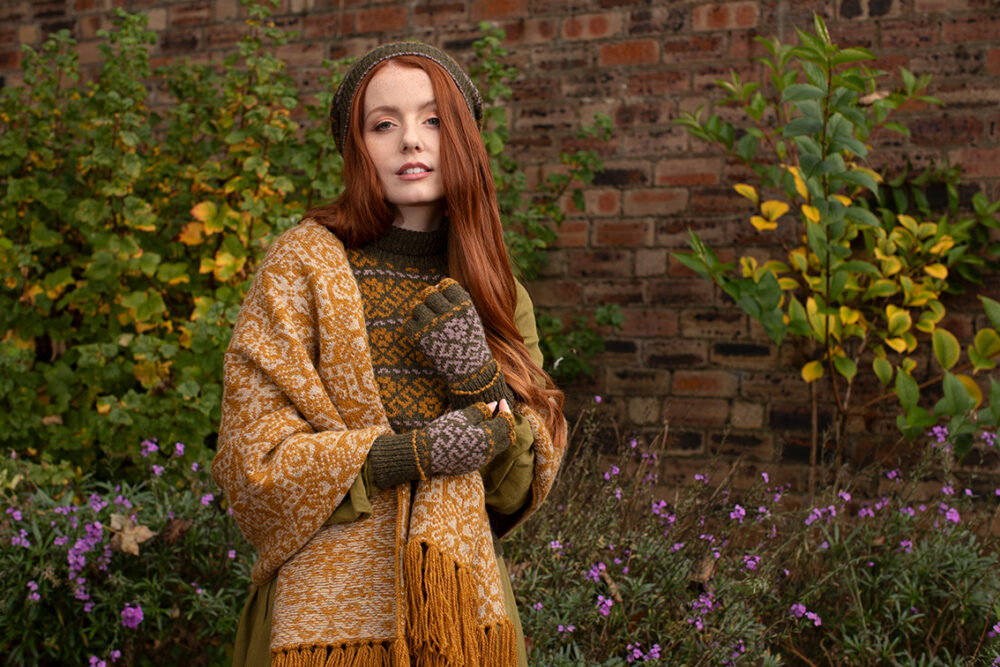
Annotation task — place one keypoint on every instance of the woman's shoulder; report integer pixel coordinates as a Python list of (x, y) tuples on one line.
[(309, 245)]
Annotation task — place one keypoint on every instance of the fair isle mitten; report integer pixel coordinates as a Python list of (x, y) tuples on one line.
[(447, 329), (453, 444)]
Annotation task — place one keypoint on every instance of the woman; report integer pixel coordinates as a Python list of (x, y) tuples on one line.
[(385, 414)]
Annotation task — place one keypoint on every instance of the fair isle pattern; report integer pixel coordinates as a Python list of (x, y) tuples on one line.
[(301, 408), (412, 391), (447, 328), (455, 442)]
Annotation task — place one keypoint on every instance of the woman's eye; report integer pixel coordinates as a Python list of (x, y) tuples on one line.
[(383, 126), (434, 121)]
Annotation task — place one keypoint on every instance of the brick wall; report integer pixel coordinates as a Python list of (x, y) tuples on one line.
[(683, 355)]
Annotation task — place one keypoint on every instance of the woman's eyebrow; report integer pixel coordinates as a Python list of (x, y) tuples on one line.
[(391, 108)]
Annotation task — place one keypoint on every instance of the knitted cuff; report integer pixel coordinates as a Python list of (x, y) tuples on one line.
[(486, 386), (396, 459)]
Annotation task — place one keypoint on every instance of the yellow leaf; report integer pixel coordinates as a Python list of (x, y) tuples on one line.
[(812, 371), (748, 265), (970, 386), (760, 224), (846, 201), (192, 234), (798, 257), (800, 185), (103, 407), (908, 222), (207, 265), (944, 244), (747, 191), (926, 229), (849, 315), (811, 212), (939, 271), (204, 211), (773, 209), (788, 283), (874, 174), (891, 266), (898, 344)]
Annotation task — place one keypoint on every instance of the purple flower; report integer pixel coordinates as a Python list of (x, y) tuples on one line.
[(989, 438), (232, 554), (207, 499), (21, 539), (883, 502), (939, 433), (157, 470), (604, 605), (115, 654), (96, 662), (953, 515), (814, 617), (566, 628), (823, 546), (892, 474), (595, 571), (149, 446), (844, 495), (123, 501), (701, 478), (194, 466), (907, 546), (597, 399), (14, 513), (555, 544), (738, 513), (676, 547), (96, 502), (751, 562), (797, 610), (767, 478), (537, 606), (88, 607), (611, 473), (618, 494), (33, 591), (948, 490), (908, 511), (131, 616), (178, 449)]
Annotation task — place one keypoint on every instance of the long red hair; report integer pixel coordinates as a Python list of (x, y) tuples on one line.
[(477, 256)]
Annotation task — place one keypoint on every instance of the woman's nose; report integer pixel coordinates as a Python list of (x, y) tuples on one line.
[(410, 138)]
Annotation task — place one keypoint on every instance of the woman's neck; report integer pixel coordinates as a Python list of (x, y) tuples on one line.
[(420, 217)]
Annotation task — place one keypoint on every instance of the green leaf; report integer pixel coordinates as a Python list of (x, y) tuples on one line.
[(845, 367), (883, 370), (801, 91), (852, 55), (800, 126), (992, 310), (862, 216), (946, 348), (907, 390), (957, 400), (987, 343)]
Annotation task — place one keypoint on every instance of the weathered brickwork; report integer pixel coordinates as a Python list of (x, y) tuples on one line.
[(684, 354)]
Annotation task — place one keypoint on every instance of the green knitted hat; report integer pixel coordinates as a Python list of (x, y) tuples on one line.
[(340, 109)]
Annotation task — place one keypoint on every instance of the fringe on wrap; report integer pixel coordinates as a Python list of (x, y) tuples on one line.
[(442, 625), (356, 654)]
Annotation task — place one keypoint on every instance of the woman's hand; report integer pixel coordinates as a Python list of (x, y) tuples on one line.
[(446, 328)]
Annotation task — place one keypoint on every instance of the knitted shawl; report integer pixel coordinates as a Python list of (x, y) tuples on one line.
[(418, 580)]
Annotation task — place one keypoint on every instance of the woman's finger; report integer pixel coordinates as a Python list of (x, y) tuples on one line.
[(503, 405)]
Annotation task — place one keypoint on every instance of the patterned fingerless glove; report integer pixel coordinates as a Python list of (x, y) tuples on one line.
[(447, 329), (455, 443)]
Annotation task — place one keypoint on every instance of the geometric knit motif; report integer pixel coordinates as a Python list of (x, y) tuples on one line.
[(392, 273)]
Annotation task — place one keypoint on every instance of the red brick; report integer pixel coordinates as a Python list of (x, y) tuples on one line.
[(770, 386), (945, 130), (744, 46), (573, 234), (909, 34), (704, 383), (531, 31), (562, 56), (658, 21), (757, 445), (743, 355), (718, 200), (592, 26), (636, 52), (656, 142), (689, 412), (555, 293), (301, 55), (941, 5), (675, 353), (978, 28), (593, 83), (689, 171), (600, 263), (327, 25), (643, 113), (977, 162), (224, 34), (12, 59), (650, 262), (726, 16), (596, 202), (499, 9), (637, 382), (622, 292), (681, 292), (715, 323), (194, 13), (659, 82), (381, 19), (655, 201), (439, 13), (646, 322), (993, 61), (694, 48), (535, 118), (85, 5), (623, 173), (623, 233)]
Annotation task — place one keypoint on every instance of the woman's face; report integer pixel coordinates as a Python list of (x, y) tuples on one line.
[(402, 134)]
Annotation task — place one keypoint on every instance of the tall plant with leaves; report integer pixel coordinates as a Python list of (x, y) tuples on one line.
[(863, 280)]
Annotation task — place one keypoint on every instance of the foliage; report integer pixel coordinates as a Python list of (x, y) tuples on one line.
[(130, 231), (864, 279), (718, 573), (568, 352), (72, 563)]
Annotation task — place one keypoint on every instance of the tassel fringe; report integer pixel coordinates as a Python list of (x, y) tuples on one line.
[(443, 628), (359, 654)]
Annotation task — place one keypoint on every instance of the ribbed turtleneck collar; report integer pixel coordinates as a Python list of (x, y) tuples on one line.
[(411, 243)]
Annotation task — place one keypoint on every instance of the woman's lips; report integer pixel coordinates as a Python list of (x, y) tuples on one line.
[(414, 171)]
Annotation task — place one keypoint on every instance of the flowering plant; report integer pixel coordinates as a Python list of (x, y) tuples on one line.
[(120, 573)]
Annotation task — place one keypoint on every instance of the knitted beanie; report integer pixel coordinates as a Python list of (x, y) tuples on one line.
[(340, 109)]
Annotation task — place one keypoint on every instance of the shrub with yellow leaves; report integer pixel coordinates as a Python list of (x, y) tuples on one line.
[(864, 278)]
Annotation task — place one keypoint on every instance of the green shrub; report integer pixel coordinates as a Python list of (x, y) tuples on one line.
[(73, 564), (611, 573)]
